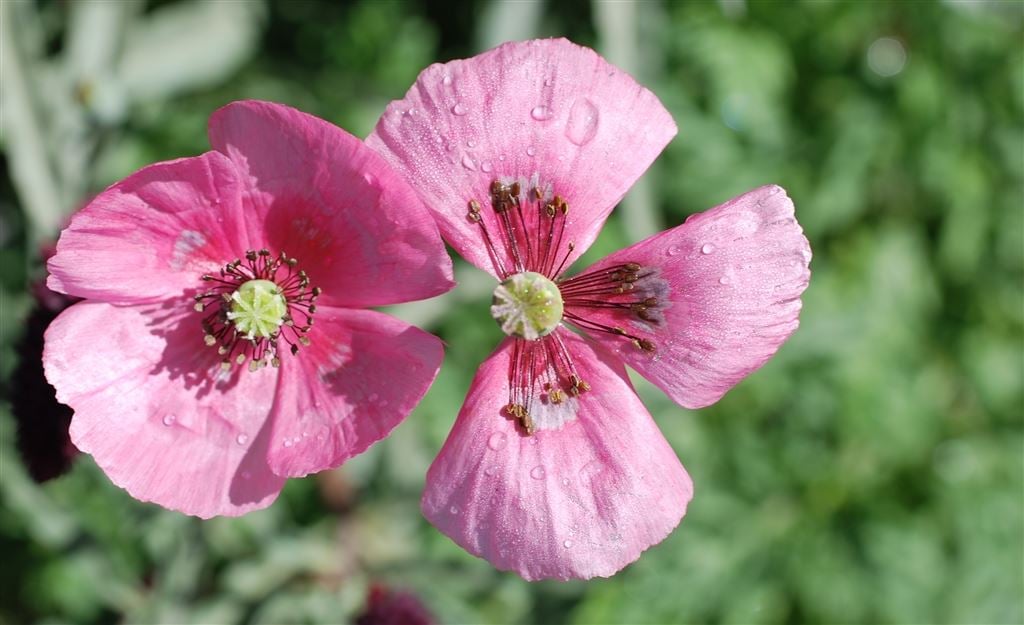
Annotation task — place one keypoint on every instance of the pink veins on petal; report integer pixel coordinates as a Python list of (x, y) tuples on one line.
[(263, 252), (553, 467)]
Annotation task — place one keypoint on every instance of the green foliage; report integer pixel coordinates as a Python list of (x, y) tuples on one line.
[(871, 472)]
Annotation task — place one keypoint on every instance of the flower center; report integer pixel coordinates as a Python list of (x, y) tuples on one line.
[(256, 303), (258, 309), (527, 305)]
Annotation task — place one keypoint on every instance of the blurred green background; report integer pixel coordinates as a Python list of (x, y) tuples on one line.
[(870, 473)]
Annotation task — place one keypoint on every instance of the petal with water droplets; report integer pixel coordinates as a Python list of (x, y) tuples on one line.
[(580, 501)]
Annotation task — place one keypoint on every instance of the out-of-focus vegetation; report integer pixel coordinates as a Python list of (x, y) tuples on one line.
[(871, 472)]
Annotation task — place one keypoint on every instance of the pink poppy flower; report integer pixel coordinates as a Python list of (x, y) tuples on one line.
[(224, 343), (554, 468)]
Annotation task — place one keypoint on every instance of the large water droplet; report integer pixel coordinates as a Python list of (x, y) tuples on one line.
[(486, 166), (582, 124), (468, 163), (707, 248), (242, 439), (530, 151), (541, 113), (459, 109), (497, 441), (169, 419), (538, 472)]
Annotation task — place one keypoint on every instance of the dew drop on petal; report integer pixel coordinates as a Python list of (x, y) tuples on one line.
[(169, 419), (723, 280), (541, 113), (459, 109), (468, 163), (497, 441), (567, 543), (287, 442), (582, 124), (491, 470), (447, 80), (673, 250), (370, 178), (538, 472), (548, 82), (530, 151), (707, 248), (565, 481), (471, 144), (486, 166), (242, 439), (454, 509)]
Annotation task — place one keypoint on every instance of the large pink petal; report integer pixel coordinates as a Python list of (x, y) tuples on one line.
[(732, 277), (155, 411), (545, 107), (363, 373), (322, 196), (577, 502), (153, 234)]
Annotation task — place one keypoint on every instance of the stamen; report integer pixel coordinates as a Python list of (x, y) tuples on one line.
[(254, 304)]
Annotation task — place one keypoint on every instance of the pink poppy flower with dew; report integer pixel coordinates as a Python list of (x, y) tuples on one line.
[(225, 341), (554, 468)]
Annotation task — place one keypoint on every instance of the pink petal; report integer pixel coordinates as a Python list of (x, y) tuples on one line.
[(319, 194), (363, 373), (155, 411), (578, 502), (734, 276), (546, 107), (154, 233)]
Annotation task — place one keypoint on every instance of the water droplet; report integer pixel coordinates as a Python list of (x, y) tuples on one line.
[(411, 112), (242, 439), (707, 248), (447, 80), (582, 124), (567, 543), (548, 82), (370, 179), (471, 144), (565, 481), (448, 146), (486, 166), (590, 471), (541, 113), (468, 163), (169, 419), (530, 151), (497, 441), (287, 442), (459, 109), (454, 509), (491, 470), (538, 472), (501, 157), (723, 280), (673, 250)]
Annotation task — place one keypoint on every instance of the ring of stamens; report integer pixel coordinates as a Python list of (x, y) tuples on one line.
[(525, 236), (255, 303)]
